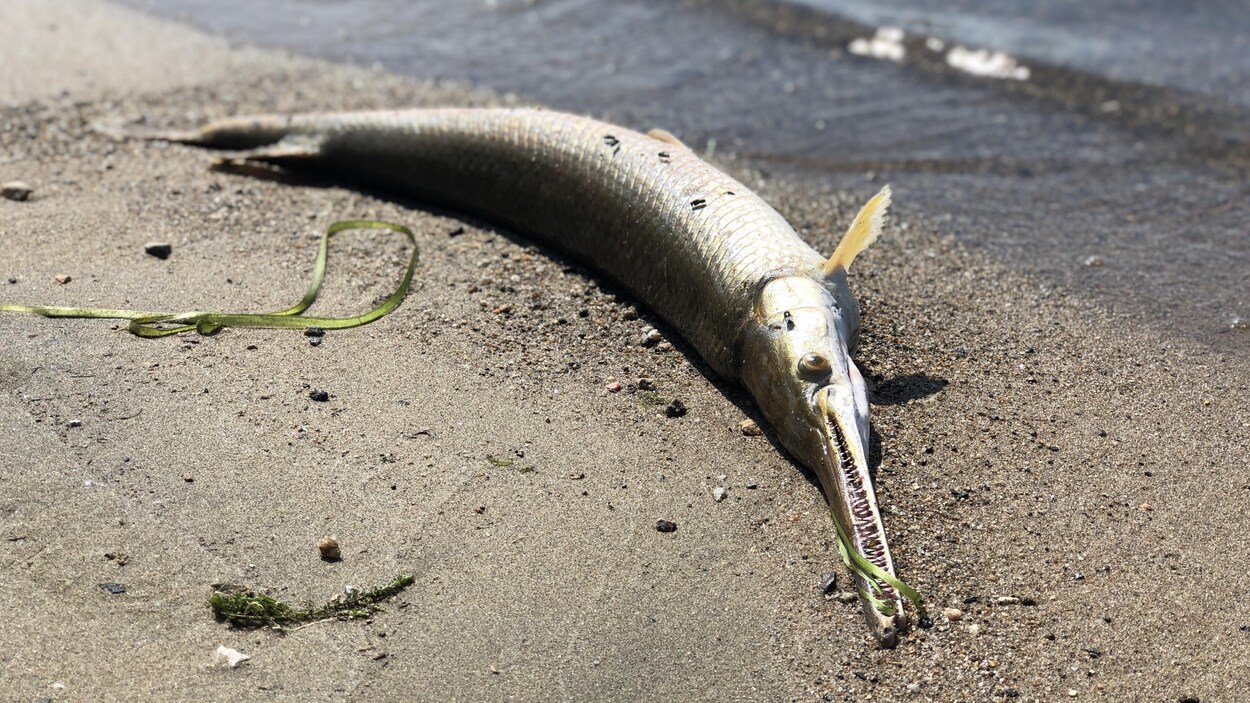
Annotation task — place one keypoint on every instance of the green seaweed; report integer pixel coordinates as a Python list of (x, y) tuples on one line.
[(248, 609)]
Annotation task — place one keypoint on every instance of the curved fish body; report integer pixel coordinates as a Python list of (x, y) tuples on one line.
[(700, 249)]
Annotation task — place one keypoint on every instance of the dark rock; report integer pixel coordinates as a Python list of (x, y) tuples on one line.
[(314, 332), (829, 582), (675, 408), (113, 588), (319, 396), (665, 526), (160, 250)]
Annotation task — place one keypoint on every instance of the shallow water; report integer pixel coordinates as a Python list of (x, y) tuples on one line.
[(1117, 169)]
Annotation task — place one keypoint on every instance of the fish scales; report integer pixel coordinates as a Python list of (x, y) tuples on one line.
[(602, 193)]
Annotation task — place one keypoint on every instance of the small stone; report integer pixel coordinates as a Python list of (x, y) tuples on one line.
[(750, 428), (1239, 324), (63, 279), (329, 548), (319, 396), (665, 526), (1072, 693), (314, 332), (188, 478), (651, 337), (1094, 261), (646, 384), (829, 583), (664, 347), (953, 614), (315, 341), (751, 485), (1006, 600), (16, 190), (913, 688), (1147, 507), (719, 493), (113, 588), (615, 387), (847, 597), (160, 250), (630, 314), (675, 408), (974, 629), (232, 657), (12, 280), (74, 423)]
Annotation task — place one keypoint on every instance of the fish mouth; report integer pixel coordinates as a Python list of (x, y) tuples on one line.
[(861, 532)]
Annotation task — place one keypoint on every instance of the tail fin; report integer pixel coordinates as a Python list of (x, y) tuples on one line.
[(862, 233)]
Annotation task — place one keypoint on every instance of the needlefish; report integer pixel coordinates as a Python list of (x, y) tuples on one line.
[(697, 247)]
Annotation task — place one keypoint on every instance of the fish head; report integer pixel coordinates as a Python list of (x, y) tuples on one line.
[(796, 361)]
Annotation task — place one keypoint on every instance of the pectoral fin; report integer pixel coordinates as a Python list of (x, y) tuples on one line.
[(862, 233)]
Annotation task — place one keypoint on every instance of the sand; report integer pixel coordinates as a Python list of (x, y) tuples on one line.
[(1032, 446)]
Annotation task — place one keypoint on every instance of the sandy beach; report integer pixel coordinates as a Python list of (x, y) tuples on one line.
[(1073, 482)]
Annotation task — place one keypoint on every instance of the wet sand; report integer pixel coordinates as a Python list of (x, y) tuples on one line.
[(1032, 444)]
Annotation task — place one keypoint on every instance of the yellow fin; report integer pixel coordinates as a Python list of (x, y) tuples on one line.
[(666, 136), (862, 233)]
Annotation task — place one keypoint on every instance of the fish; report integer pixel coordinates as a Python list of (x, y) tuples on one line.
[(698, 248)]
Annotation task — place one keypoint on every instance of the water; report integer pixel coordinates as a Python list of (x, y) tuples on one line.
[(1126, 145)]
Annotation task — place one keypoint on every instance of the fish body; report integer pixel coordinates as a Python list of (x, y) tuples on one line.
[(696, 246)]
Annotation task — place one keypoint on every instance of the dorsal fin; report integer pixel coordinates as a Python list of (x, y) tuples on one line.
[(862, 233), (666, 136)]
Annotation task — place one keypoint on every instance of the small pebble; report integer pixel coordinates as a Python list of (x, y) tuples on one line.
[(953, 614), (315, 341), (74, 423), (615, 387), (160, 250), (329, 548), (974, 629), (232, 657), (675, 408), (913, 688), (651, 337), (188, 478), (750, 428), (719, 493), (114, 588), (12, 280), (1006, 600), (665, 526), (1093, 261), (314, 332), (829, 583), (751, 485), (63, 279), (16, 190), (646, 384), (1239, 324), (847, 597), (319, 396), (630, 314)]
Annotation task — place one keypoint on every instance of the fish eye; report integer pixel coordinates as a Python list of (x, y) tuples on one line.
[(813, 365)]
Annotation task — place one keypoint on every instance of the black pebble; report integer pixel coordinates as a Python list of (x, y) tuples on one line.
[(314, 332), (829, 582), (319, 396), (114, 588), (675, 409), (665, 526), (314, 342), (160, 250)]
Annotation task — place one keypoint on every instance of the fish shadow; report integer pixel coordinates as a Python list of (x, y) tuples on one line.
[(904, 389)]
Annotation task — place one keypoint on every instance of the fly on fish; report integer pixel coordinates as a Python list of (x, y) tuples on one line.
[(696, 246)]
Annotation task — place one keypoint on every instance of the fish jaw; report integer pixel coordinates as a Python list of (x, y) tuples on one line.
[(853, 505)]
